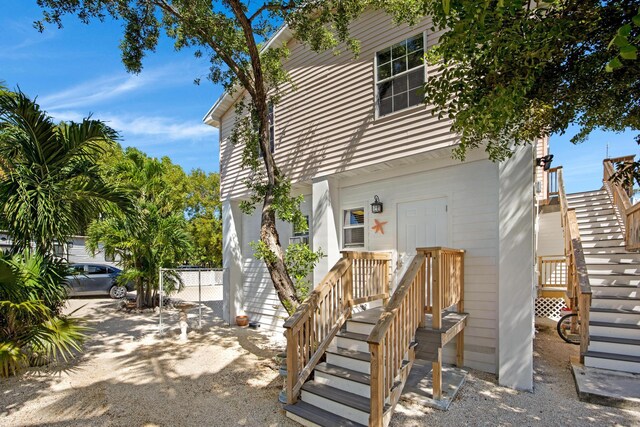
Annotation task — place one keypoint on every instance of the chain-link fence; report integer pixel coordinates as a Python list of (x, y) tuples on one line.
[(189, 296)]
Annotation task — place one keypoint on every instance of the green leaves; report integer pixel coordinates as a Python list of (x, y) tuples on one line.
[(627, 43)]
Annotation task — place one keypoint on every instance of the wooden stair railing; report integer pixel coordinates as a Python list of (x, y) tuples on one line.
[(552, 183), (620, 195), (392, 336), (356, 278), (433, 282), (445, 288), (578, 286)]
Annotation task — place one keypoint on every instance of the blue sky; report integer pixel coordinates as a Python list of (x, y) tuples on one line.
[(77, 71)]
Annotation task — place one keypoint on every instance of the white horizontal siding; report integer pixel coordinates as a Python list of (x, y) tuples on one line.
[(550, 234), (328, 125)]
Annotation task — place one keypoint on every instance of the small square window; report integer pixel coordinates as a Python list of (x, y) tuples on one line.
[(353, 228)]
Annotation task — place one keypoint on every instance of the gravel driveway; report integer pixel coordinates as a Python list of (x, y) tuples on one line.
[(226, 376)]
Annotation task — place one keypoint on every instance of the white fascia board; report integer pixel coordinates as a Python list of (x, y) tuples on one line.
[(222, 105)]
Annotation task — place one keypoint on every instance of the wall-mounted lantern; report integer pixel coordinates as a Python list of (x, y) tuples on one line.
[(376, 206), (545, 161)]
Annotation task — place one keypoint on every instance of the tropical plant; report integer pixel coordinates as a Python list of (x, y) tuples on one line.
[(32, 330), (50, 185), (203, 210), (154, 234)]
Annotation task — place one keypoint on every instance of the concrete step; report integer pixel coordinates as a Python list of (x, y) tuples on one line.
[(625, 346), (614, 362), (343, 379), (617, 258), (613, 330), (615, 302), (309, 415), (609, 315), (613, 268), (354, 360), (615, 291)]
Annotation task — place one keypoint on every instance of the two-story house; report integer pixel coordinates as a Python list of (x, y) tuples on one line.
[(355, 132)]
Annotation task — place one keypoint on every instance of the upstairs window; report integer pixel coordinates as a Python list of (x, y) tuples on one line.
[(353, 228), (400, 75)]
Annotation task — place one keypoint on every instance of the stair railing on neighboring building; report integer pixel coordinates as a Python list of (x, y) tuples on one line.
[(620, 195), (356, 278), (578, 286)]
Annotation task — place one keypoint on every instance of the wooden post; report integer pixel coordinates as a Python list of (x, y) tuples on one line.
[(348, 287), (460, 337), (377, 385), (437, 298), (292, 365), (387, 280), (423, 291), (436, 375)]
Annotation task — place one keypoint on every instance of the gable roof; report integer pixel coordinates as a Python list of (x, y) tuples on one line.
[(226, 101)]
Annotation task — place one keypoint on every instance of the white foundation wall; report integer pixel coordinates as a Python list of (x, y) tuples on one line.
[(471, 190)]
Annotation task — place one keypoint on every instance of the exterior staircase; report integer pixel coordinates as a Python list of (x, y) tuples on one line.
[(340, 391), (614, 274)]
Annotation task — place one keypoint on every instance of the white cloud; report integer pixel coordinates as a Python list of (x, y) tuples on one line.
[(104, 88), (157, 128)]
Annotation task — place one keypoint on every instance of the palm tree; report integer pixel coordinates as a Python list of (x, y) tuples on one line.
[(155, 234), (32, 332), (50, 186)]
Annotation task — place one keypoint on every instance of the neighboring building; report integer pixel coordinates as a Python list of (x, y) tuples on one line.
[(355, 129), (74, 251)]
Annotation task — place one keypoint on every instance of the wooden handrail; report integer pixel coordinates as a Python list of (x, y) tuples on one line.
[(310, 330), (628, 214), (552, 182), (578, 286), (438, 271), (393, 334)]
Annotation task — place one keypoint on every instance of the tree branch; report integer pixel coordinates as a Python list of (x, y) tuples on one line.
[(272, 7)]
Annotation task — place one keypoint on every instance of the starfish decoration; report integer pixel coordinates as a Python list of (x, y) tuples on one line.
[(378, 227)]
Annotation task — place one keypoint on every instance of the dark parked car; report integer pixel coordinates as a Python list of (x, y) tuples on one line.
[(96, 279)]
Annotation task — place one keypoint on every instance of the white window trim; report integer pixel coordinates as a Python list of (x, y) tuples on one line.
[(362, 206), (375, 79)]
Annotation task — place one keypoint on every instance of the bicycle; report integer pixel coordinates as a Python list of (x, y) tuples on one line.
[(568, 328)]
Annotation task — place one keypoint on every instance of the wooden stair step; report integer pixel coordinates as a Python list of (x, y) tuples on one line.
[(613, 297), (371, 316), (319, 416), (429, 340), (615, 340), (345, 373), (352, 354), (613, 310), (613, 356), (355, 401), (352, 336), (613, 325)]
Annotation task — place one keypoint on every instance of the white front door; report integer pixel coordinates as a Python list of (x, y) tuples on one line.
[(421, 224)]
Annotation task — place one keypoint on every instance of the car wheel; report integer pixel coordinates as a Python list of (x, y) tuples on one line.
[(117, 292)]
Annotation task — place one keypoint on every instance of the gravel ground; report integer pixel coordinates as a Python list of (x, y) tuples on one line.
[(226, 376)]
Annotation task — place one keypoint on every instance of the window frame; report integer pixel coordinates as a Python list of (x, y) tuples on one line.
[(344, 226), (376, 97)]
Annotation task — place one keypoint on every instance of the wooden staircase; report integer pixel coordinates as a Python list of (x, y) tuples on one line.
[(614, 275), (359, 362)]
